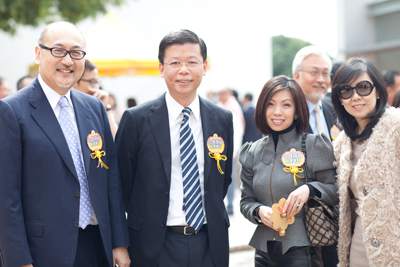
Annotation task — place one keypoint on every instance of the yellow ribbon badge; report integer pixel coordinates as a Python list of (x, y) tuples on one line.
[(98, 154), (216, 146), (293, 159), (95, 143), (218, 157), (295, 170)]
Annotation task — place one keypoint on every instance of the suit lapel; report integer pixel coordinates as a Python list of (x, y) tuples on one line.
[(330, 116), (208, 123), (85, 125), (309, 130), (330, 119), (159, 123), (47, 121)]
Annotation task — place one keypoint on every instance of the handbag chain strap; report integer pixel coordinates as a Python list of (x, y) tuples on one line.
[(303, 149)]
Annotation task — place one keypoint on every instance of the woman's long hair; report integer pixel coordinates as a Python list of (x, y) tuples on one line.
[(347, 74)]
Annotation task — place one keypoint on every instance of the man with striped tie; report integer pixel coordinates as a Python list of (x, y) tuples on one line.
[(175, 158)]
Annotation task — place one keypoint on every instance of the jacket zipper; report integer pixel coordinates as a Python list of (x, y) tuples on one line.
[(270, 185)]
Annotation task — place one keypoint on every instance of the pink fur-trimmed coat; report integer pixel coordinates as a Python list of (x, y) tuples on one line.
[(377, 175)]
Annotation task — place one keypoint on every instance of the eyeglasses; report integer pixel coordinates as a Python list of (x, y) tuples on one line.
[(189, 65), (60, 52), (317, 73), (363, 88), (92, 82)]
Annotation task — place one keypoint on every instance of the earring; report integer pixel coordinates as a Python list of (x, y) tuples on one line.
[(342, 104), (296, 117), (378, 97)]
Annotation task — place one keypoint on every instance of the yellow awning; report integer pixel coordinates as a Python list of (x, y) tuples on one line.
[(116, 67)]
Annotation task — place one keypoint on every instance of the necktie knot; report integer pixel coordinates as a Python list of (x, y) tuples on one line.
[(316, 109), (63, 102), (186, 113)]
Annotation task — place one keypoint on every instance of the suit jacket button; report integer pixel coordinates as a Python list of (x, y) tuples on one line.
[(166, 193), (163, 224), (365, 191), (375, 242), (76, 224), (77, 193)]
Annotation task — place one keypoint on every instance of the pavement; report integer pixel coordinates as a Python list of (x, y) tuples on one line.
[(240, 233)]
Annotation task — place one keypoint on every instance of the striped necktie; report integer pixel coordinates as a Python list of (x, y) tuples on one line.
[(192, 201), (68, 128)]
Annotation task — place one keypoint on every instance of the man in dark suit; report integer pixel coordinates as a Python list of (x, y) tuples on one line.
[(392, 79), (311, 70), (335, 67), (174, 180), (251, 133), (60, 193)]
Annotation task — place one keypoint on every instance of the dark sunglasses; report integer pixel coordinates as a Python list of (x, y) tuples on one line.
[(363, 88)]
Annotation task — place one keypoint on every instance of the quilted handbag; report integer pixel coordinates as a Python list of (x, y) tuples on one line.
[(321, 220)]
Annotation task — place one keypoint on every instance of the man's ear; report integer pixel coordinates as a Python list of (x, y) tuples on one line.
[(37, 55), (161, 68), (296, 76), (205, 64)]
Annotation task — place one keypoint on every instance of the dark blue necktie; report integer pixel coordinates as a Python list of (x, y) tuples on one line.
[(192, 201)]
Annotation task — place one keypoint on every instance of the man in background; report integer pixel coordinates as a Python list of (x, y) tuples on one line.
[(335, 67), (392, 79), (5, 89), (131, 102), (228, 101), (312, 71), (89, 84), (24, 81), (251, 133)]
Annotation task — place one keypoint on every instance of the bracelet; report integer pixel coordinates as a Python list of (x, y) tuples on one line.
[(108, 107)]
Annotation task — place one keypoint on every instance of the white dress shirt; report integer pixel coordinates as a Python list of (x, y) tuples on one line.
[(313, 120), (53, 97), (176, 216)]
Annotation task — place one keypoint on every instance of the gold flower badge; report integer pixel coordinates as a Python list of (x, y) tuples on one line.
[(95, 143), (216, 146)]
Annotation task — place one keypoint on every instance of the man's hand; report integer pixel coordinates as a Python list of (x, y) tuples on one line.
[(103, 96), (121, 257), (29, 265)]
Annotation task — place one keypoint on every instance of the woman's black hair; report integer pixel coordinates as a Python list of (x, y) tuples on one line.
[(348, 73)]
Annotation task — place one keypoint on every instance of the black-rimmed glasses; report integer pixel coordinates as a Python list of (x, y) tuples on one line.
[(363, 88), (61, 52)]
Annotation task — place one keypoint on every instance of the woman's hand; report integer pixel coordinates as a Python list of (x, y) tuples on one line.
[(264, 213), (296, 200)]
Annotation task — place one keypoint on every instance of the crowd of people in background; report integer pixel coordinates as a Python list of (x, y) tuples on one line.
[(343, 116)]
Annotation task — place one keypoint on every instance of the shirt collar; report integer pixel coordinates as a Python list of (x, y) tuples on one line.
[(175, 109), (52, 96), (311, 106)]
